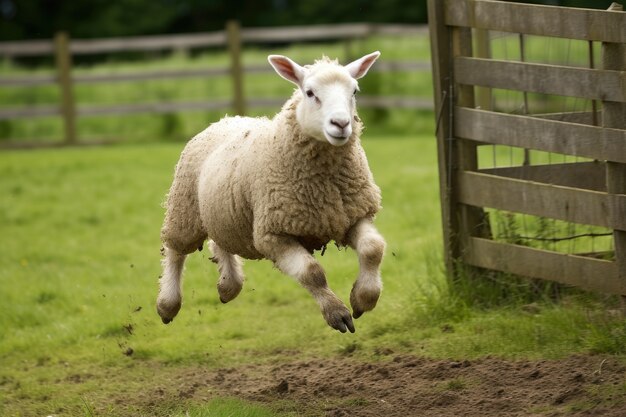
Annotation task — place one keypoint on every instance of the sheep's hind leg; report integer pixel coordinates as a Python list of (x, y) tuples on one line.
[(170, 294), (231, 274), (370, 246), (292, 259)]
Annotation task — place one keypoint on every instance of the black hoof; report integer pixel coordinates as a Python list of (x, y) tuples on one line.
[(166, 321), (349, 324), (357, 313)]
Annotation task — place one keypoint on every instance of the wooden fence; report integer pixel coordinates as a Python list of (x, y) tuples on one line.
[(233, 38), (591, 191)]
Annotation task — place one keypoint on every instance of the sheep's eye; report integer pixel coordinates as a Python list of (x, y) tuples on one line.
[(309, 93), (354, 94)]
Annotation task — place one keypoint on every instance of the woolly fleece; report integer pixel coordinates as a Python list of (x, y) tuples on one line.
[(244, 178)]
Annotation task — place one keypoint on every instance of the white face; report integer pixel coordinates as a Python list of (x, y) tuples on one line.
[(326, 112)]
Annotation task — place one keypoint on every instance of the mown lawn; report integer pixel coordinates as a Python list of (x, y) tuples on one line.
[(80, 262)]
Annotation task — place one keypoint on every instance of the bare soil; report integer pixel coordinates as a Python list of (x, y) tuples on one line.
[(408, 386)]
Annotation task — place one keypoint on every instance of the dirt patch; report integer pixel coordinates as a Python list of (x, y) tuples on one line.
[(412, 386)]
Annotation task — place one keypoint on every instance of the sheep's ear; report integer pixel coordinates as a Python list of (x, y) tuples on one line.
[(360, 67), (287, 69)]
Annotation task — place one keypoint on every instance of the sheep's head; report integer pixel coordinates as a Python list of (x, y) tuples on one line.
[(328, 105)]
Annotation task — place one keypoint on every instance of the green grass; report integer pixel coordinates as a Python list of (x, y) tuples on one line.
[(80, 258), (80, 263)]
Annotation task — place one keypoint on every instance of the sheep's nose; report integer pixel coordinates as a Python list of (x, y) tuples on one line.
[(340, 123)]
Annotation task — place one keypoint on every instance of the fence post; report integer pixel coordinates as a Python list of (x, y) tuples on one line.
[(614, 116), (63, 60), (441, 70), (459, 221), (233, 35)]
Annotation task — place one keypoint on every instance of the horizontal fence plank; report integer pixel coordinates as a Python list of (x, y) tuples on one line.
[(585, 272), (327, 32), (540, 134), (541, 78), (150, 75), (557, 202), (305, 33), (146, 43), (266, 102), (153, 107), (417, 103), (27, 48), (39, 144), (28, 81), (287, 34), (36, 80), (580, 117), (29, 112), (586, 175), (562, 22)]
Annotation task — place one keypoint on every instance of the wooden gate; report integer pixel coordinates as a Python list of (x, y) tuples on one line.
[(586, 189)]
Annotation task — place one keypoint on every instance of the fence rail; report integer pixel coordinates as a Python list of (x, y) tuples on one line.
[(591, 193), (232, 38)]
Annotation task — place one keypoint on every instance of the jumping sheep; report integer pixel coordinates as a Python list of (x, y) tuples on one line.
[(280, 189)]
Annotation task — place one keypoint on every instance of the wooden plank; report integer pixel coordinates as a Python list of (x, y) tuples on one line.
[(395, 102), (442, 67), (328, 32), (553, 201), (22, 144), (542, 78), (401, 66), (586, 175), (35, 80), (540, 134), (579, 117), (469, 220), (153, 107), (614, 58), (236, 72), (27, 48), (147, 43), (395, 29), (151, 75), (275, 102), (562, 22), (305, 33), (288, 34), (64, 70), (29, 112), (28, 81), (584, 272)]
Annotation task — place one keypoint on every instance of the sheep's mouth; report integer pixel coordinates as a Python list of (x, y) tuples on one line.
[(336, 140)]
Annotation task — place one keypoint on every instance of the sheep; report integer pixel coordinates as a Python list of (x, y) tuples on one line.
[(280, 189)]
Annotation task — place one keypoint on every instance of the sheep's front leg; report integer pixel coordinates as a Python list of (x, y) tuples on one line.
[(292, 259), (370, 246), (231, 274), (170, 294)]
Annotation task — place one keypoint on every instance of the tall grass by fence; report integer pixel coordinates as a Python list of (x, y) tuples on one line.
[(233, 39), (579, 199)]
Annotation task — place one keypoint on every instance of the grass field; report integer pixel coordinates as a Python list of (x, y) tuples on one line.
[(80, 263)]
